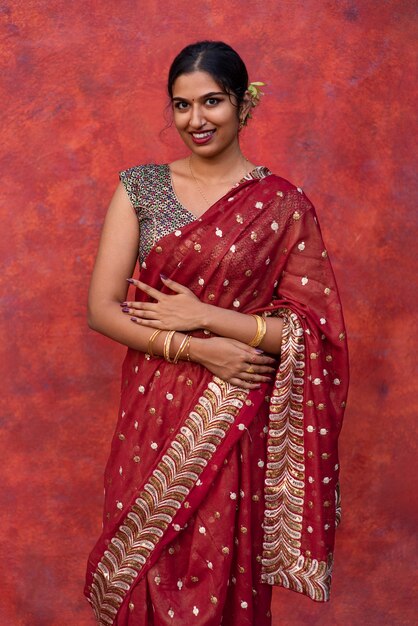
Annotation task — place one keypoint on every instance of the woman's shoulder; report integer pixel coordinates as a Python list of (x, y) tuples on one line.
[(279, 185), (142, 182), (143, 169)]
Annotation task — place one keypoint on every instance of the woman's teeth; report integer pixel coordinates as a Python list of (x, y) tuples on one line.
[(203, 135)]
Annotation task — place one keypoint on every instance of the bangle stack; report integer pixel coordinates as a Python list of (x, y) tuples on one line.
[(184, 347), (167, 343), (181, 348), (151, 342), (261, 331)]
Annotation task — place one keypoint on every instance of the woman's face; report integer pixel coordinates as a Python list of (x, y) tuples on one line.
[(204, 115)]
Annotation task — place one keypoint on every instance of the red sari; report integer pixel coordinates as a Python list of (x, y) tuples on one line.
[(215, 493)]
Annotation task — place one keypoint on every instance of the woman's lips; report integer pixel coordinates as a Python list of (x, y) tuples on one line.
[(202, 137)]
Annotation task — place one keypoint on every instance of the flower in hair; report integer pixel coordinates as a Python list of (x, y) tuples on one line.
[(255, 92), (255, 95)]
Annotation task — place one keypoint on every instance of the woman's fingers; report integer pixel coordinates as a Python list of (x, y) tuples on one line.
[(150, 323), (173, 285), (141, 305), (244, 384), (141, 313), (150, 291)]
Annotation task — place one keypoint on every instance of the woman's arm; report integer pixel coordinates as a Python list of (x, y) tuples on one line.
[(116, 259), (228, 323), (184, 311)]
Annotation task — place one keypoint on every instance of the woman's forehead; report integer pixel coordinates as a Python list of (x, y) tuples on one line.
[(195, 84)]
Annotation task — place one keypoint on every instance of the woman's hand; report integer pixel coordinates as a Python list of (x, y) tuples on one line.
[(233, 361), (181, 311)]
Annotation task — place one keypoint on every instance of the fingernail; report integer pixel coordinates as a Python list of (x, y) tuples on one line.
[(130, 280), (123, 304), (259, 351), (163, 276), (134, 319), (125, 309)]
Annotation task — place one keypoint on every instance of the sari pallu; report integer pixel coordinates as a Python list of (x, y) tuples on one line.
[(214, 493)]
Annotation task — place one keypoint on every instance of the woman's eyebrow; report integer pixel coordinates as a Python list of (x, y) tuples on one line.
[(204, 97)]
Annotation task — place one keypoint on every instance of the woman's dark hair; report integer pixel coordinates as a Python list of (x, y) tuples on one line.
[(217, 59)]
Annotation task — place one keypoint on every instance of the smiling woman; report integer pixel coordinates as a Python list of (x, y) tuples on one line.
[(223, 474)]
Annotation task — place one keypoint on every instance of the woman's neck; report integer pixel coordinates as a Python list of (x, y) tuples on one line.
[(228, 166)]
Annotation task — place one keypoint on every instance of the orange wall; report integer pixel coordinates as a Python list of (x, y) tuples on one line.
[(83, 97)]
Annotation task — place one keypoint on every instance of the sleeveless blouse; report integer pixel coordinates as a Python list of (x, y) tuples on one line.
[(159, 211)]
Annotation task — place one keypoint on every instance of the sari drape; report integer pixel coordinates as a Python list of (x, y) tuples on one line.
[(213, 493)]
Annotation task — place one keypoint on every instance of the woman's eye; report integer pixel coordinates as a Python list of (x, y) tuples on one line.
[(181, 106), (212, 101)]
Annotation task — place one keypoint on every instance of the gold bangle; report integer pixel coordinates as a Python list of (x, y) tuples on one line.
[(261, 331), (188, 348), (180, 350), (151, 341), (167, 344)]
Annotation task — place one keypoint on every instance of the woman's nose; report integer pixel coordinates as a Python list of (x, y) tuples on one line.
[(197, 119)]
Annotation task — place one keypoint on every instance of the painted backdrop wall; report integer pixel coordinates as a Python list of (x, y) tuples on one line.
[(83, 97)]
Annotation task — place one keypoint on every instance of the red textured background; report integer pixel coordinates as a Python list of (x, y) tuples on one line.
[(82, 97)]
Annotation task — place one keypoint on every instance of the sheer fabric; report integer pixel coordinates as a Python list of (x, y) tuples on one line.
[(214, 493)]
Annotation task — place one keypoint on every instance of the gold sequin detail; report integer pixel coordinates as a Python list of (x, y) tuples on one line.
[(187, 505), (216, 515), (308, 553), (253, 235), (171, 550), (258, 558), (296, 216), (194, 579), (310, 504), (324, 254), (152, 410), (239, 218), (310, 454), (214, 599), (328, 358), (243, 530), (280, 194), (158, 249), (225, 550), (121, 436), (310, 403), (197, 247), (327, 291), (248, 272), (189, 382), (325, 455), (131, 606), (321, 406), (248, 402), (314, 355), (136, 459), (341, 336), (326, 503), (157, 373), (241, 569), (211, 296), (255, 498)]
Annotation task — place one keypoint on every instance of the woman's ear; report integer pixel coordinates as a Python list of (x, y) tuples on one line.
[(245, 108)]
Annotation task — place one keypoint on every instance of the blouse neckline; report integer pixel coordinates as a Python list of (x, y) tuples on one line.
[(260, 171)]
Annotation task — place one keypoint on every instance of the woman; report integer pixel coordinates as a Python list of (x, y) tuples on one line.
[(223, 474)]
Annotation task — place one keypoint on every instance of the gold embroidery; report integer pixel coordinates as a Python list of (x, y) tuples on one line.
[(282, 563), (164, 493)]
